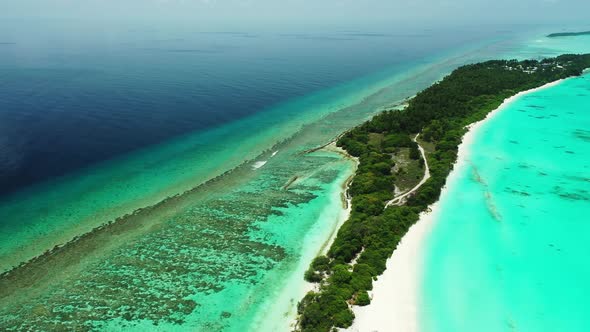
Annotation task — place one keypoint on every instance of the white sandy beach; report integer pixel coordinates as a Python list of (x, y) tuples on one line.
[(284, 305), (305, 286), (396, 294)]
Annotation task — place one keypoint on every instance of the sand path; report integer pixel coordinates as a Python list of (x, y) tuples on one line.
[(400, 199)]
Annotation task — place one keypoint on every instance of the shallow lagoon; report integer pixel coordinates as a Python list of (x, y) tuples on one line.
[(509, 249), (214, 256)]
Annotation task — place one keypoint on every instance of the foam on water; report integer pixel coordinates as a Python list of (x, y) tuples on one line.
[(217, 256), (259, 164), (214, 256), (52, 213), (93, 196)]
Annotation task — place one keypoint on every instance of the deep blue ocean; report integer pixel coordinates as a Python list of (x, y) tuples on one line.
[(74, 94), (103, 122)]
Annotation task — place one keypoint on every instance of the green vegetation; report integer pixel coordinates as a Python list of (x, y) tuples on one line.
[(440, 113), (568, 34), (407, 171)]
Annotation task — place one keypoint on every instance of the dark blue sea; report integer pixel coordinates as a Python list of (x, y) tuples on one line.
[(137, 126), (73, 93)]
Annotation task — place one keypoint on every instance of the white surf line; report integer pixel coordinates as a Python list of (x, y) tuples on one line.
[(399, 199), (261, 163)]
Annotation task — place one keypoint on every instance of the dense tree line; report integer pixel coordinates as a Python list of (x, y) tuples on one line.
[(440, 113)]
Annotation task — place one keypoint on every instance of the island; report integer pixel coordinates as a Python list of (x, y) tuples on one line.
[(568, 34), (404, 158)]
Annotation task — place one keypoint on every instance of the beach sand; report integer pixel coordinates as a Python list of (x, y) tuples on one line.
[(396, 295), (284, 306)]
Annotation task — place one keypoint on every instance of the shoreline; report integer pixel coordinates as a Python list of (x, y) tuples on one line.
[(133, 222), (375, 84), (395, 298), (306, 286), (29, 253), (345, 198), (441, 62), (297, 287)]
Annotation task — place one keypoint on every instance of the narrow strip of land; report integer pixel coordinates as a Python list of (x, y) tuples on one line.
[(440, 114)]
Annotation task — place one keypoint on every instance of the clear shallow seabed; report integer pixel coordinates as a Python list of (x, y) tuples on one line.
[(221, 107), (224, 255), (509, 248)]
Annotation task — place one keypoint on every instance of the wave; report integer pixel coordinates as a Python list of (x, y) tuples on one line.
[(260, 163)]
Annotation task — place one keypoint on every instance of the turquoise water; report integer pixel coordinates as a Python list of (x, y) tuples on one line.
[(54, 211), (509, 247), (84, 200), (217, 255), (99, 120), (541, 46)]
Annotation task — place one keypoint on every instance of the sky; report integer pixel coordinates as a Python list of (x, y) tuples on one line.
[(301, 12)]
